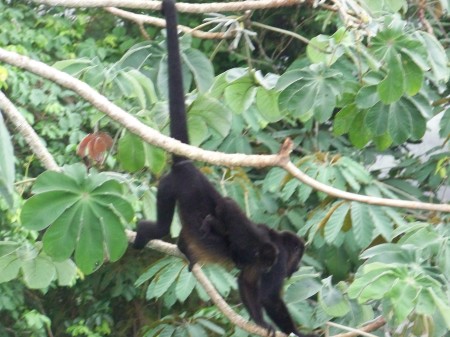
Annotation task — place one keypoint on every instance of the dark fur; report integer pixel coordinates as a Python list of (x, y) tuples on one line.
[(259, 288), (214, 229)]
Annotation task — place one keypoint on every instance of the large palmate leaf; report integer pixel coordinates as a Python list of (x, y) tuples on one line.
[(310, 92), (37, 269), (6, 164), (84, 213), (403, 288)]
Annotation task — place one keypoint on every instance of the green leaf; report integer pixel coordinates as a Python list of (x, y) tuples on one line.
[(213, 113), (376, 119), (393, 86), (9, 261), (362, 228), (38, 273), (156, 158), (358, 133), (201, 68), (317, 47), (367, 97), (344, 119), (88, 221), (165, 278), (130, 152), (42, 209), (311, 91), (240, 94), (267, 104), (7, 170), (443, 308), (66, 272), (403, 295), (413, 75), (357, 170), (381, 221), (130, 86), (197, 130), (304, 288), (185, 284), (154, 269), (437, 56), (335, 223), (372, 282), (400, 124), (75, 67), (333, 302), (444, 124)]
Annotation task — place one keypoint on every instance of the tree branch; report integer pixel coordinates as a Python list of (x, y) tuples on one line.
[(334, 192), (130, 122), (141, 19), (153, 137), (32, 139), (374, 325), (181, 7)]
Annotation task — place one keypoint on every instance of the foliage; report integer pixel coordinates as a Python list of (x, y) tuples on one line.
[(85, 214), (348, 97)]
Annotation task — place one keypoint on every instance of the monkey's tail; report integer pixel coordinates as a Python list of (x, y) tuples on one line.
[(177, 108)]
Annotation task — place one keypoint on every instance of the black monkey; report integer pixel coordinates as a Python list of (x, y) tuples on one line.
[(209, 232), (261, 290), (187, 187)]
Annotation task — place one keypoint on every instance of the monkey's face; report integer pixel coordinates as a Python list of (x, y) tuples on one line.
[(295, 247)]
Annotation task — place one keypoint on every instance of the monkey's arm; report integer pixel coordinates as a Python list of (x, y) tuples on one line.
[(165, 208)]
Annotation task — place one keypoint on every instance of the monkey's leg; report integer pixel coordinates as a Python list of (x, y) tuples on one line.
[(249, 289), (279, 314)]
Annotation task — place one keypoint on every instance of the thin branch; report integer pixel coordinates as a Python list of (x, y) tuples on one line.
[(27, 132), (181, 7), (292, 169), (153, 137), (363, 331), (141, 19)]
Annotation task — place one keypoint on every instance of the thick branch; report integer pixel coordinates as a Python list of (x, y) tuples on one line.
[(32, 139), (181, 7), (150, 20), (131, 123), (152, 136)]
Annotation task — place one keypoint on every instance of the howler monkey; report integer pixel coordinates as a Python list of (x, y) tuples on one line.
[(209, 231)]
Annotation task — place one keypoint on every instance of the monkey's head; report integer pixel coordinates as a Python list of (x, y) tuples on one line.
[(295, 247)]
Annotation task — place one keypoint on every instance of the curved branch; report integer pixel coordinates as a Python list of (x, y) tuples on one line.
[(150, 20), (32, 139), (154, 137), (181, 7), (292, 169), (131, 123)]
